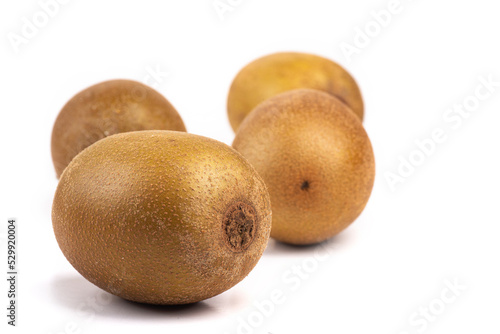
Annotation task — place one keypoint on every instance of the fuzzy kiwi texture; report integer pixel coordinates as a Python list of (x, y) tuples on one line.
[(316, 159), (161, 217), (105, 109), (280, 72)]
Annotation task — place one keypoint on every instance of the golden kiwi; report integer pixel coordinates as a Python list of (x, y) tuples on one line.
[(281, 72), (161, 217), (105, 109), (316, 159)]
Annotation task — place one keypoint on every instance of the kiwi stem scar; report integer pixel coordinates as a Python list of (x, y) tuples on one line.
[(238, 226)]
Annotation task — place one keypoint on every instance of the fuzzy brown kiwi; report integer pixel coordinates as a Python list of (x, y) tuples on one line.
[(105, 109), (280, 72), (161, 217), (316, 159)]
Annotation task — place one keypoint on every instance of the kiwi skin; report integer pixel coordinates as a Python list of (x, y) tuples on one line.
[(280, 72), (316, 159), (161, 217), (105, 109)]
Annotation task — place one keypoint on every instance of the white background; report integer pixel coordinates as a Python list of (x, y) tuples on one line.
[(441, 224)]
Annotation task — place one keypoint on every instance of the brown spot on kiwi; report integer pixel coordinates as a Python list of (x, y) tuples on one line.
[(305, 185), (239, 226)]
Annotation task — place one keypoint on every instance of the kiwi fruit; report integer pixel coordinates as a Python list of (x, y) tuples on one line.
[(280, 72), (161, 217), (105, 109), (316, 159)]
